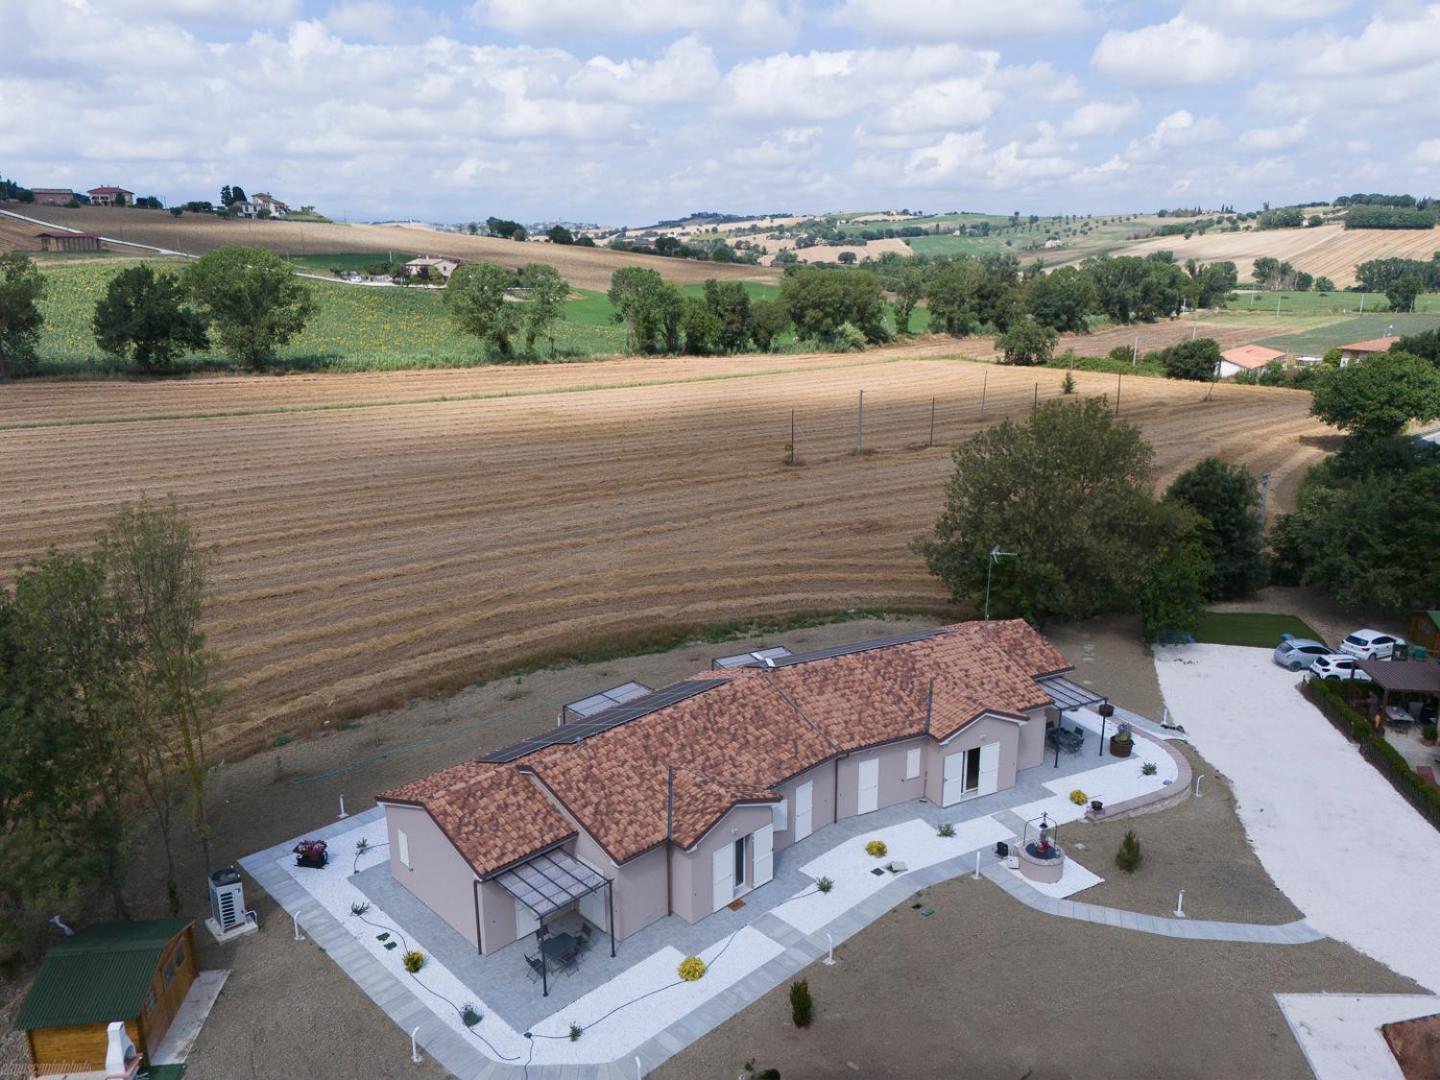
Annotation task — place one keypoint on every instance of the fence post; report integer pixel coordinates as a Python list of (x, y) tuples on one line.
[(931, 442), (984, 383), (860, 424)]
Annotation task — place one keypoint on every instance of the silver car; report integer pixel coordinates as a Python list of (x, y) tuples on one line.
[(1297, 654)]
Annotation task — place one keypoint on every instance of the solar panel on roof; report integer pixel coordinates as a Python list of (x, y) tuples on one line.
[(601, 722), (860, 646), (749, 659), (605, 699)]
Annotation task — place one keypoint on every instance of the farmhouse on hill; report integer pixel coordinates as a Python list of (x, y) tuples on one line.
[(263, 200), (676, 801), (1246, 358), (431, 267), (1358, 350), (52, 196), (68, 241), (132, 972), (111, 196)]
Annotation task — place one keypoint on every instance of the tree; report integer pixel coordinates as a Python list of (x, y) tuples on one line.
[(1227, 500), (1402, 293), (770, 320), (729, 305), (157, 574), (475, 299), (1173, 588), (909, 291), (699, 326), (253, 300), (559, 234), (820, 301), (505, 229), (21, 288), (1069, 493), (1379, 395), (143, 317), (1324, 285), (1425, 345), (1027, 342), (649, 306), (1197, 358), (226, 196), (1062, 299), (545, 295)]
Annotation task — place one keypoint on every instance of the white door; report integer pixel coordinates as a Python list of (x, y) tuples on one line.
[(804, 809), (868, 797), (723, 862), (525, 921), (954, 788), (762, 850), (989, 768)]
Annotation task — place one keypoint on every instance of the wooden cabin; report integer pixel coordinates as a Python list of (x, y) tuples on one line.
[(138, 972), (1425, 631)]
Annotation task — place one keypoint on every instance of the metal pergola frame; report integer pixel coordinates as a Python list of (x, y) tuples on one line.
[(1069, 695), (566, 886)]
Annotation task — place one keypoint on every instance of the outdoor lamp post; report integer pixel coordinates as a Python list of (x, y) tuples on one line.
[(1106, 711)]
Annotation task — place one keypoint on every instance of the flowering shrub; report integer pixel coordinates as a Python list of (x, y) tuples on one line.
[(692, 968), (1078, 797), (413, 960), (876, 848)]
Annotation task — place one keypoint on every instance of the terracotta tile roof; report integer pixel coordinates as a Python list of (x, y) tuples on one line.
[(1251, 356), (1381, 344), (492, 814), (734, 743)]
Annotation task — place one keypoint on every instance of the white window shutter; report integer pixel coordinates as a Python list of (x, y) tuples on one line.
[(912, 763), (989, 768), (781, 812), (402, 842), (762, 846), (723, 868)]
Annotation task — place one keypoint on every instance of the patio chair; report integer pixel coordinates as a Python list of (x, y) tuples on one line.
[(569, 961), (536, 965)]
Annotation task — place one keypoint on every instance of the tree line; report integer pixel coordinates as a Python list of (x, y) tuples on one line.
[(106, 700)]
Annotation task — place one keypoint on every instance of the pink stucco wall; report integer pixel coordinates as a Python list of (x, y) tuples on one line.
[(822, 801), (437, 875), (696, 900)]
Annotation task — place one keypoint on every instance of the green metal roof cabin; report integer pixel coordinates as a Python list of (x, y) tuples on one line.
[(138, 972)]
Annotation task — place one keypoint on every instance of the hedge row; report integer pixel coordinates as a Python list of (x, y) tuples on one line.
[(1375, 749)]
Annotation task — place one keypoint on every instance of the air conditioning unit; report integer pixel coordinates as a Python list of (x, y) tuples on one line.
[(227, 898)]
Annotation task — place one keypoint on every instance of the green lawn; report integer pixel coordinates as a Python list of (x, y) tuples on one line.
[(1338, 303), (1316, 340), (1255, 629), (357, 261)]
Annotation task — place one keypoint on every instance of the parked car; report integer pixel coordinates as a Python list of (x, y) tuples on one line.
[(1372, 645), (1297, 654), (1337, 666)]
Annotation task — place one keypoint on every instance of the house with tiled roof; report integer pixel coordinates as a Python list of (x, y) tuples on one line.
[(678, 802), (1246, 358), (1359, 350), (111, 196)]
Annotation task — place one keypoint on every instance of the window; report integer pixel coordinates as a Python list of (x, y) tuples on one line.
[(402, 847), (740, 862), (781, 810), (912, 763)]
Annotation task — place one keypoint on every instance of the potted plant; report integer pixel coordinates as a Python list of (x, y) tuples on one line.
[(1097, 806), (1122, 742)]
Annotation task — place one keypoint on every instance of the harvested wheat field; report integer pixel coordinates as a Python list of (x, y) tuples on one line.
[(1325, 251), (195, 234), (371, 552)]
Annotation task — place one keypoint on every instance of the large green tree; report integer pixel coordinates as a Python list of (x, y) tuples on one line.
[(143, 318), (1068, 493), (729, 304), (21, 288), (475, 297), (770, 320), (1402, 293), (253, 300), (649, 306), (1174, 585), (545, 295), (1226, 499), (1197, 358), (1026, 342), (820, 301), (1378, 395), (1062, 299), (909, 291)]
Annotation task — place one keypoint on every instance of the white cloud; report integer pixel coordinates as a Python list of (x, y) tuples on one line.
[(1387, 45), (686, 71), (1266, 10), (1040, 81), (962, 20), (1276, 138), (1177, 131), (771, 22), (1176, 53), (380, 20), (1427, 153), (1096, 118), (935, 106)]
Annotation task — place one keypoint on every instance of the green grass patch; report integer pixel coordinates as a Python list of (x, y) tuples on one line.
[(1106, 364), (1335, 303), (353, 261), (1258, 630), (1316, 340)]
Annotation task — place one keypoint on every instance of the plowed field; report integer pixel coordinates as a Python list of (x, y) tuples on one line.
[(1325, 251), (390, 535)]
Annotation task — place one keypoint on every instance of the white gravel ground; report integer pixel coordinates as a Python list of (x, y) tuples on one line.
[(1340, 1033), (1073, 879), (1121, 779), (1353, 855), (849, 866)]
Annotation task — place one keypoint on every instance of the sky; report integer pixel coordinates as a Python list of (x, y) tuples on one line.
[(631, 111)]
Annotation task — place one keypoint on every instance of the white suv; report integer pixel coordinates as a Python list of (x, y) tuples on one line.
[(1372, 645), (1337, 666)]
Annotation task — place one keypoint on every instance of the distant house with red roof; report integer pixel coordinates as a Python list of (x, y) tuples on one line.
[(111, 196), (1358, 350), (1247, 358)]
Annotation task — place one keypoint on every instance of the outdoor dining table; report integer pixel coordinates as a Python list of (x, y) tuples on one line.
[(558, 946)]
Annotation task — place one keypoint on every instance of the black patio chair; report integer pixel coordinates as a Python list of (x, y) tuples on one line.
[(536, 965), (569, 961)]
